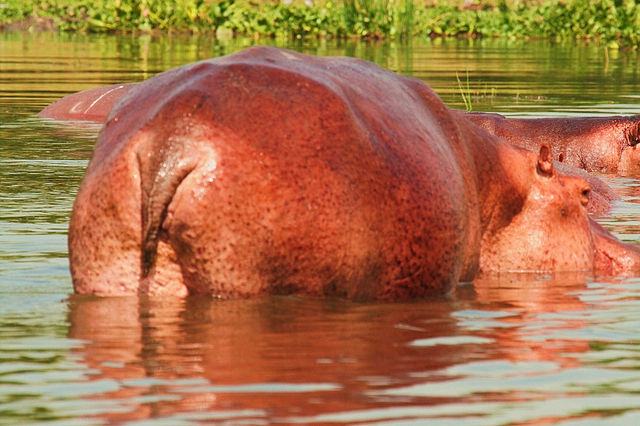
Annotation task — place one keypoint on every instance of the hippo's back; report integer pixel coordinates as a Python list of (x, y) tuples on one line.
[(270, 172)]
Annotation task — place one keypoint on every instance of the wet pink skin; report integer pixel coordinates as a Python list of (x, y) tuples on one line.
[(272, 172), (607, 145), (91, 105), (94, 105)]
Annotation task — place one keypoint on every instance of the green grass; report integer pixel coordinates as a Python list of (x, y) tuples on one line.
[(465, 92), (613, 22)]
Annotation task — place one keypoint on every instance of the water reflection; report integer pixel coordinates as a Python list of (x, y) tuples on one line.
[(499, 342), (274, 356), (508, 76)]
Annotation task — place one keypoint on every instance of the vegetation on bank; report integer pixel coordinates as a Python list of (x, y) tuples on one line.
[(615, 22)]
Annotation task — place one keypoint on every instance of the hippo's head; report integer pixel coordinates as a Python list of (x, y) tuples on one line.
[(551, 230), (629, 164), (596, 144), (602, 144)]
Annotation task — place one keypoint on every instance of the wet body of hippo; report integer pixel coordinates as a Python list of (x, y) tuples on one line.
[(596, 144), (273, 172), (94, 105), (88, 105)]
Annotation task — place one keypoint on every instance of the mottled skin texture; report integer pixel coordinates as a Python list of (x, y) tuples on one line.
[(597, 144), (94, 105), (272, 172), (88, 105)]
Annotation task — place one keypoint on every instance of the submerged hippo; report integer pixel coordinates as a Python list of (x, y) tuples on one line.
[(596, 144), (88, 105), (94, 105), (273, 172)]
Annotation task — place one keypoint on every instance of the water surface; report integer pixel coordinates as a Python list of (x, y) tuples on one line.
[(522, 349)]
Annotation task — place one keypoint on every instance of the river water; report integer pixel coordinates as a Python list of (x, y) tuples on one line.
[(525, 349)]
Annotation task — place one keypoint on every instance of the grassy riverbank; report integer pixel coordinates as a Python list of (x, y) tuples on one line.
[(614, 22)]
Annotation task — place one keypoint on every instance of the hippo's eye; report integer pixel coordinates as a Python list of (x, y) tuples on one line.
[(633, 135), (584, 196)]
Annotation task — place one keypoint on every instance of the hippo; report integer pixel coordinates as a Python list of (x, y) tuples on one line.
[(273, 172), (91, 105), (606, 145)]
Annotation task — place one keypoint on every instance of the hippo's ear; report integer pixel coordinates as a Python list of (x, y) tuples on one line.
[(633, 134), (545, 162)]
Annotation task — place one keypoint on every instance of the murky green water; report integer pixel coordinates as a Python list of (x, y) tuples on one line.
[(523, 350)]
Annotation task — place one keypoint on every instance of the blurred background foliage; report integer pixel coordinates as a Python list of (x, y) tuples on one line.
[(614, 22)]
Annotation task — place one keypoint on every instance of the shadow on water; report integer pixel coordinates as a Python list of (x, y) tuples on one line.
[(513, 349)]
